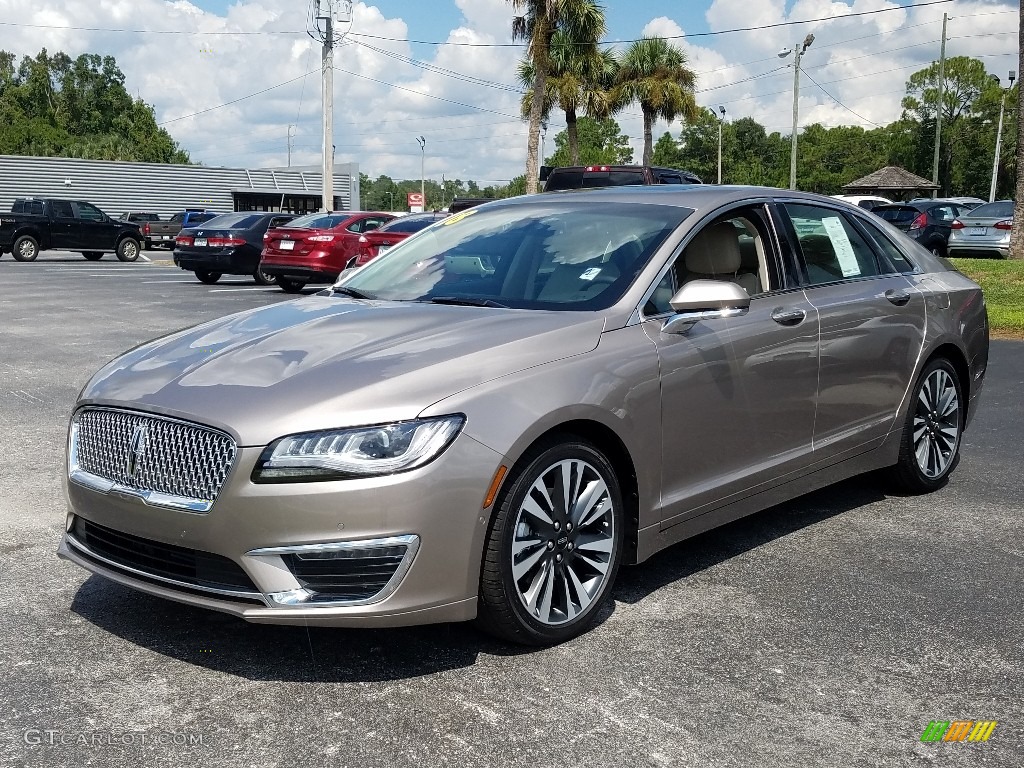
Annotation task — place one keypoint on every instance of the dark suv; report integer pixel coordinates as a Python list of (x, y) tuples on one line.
[(927, 221), (588, 176)]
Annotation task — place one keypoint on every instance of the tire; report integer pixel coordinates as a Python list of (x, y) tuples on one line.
[(207, 277), (536, 585), (93, 255), (262, 278), (936, 420), (25, 248), (291, 286), (128, 249), (938, 250)]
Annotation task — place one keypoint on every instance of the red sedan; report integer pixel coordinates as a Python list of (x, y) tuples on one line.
[(372, 244), (316, 247)]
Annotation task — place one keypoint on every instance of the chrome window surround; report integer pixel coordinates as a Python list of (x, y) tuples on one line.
[(301, 597), (150, 496)]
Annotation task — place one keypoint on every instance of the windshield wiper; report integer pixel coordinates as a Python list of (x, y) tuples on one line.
[(466, 302), (350, 292)]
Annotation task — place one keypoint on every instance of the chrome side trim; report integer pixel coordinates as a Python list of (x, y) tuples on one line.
[(301, 597), (163, 579)]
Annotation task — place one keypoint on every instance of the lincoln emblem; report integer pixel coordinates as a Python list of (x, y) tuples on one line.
[(136, 449)]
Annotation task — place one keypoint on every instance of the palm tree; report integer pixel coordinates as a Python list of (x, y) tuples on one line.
[(655, 74), (538, 23), (580, 79)]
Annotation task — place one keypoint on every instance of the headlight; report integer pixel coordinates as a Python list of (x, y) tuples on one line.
[(338, 454)]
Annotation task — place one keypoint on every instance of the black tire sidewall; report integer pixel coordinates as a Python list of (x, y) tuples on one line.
[(207, 278), (290, 286), (529, 630)]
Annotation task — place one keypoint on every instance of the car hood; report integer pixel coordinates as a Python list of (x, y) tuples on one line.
[(323, 362)]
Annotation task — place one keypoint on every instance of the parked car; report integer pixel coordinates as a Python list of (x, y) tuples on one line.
[(139, 217), (165, 232), (372, 244), (229, 244), (867, 202), (927, 221), (983, 231), (315, 248), (40, 224), (462, 203), (590, 176), (964, 203), (493, 417)]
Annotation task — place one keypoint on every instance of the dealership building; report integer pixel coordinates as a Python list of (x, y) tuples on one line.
[(117, 187)]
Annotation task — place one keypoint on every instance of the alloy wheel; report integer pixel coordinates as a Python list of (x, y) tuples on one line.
[(936, 424), (563, 541)]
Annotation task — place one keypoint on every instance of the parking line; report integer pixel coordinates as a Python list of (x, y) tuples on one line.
[(253, 289)]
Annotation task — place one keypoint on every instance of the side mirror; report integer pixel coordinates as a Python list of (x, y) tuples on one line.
[(701, 300)]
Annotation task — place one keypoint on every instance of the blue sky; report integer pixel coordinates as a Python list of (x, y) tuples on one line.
[(228, 85)]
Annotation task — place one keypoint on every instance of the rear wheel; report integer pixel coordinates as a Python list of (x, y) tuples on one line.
[(207, 277), (93, 255), (291, 286), (263, 278), (128, 249), (930, 446), (26, 248), (554, 546)]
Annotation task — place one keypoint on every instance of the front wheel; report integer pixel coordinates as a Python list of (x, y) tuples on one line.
[(930, 446), (128, 249), (263, 278), (207, 277), (93, 255), (291, 286), (554, 547), (25, 248)]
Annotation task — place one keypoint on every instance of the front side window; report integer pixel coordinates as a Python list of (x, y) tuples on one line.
[(556, 256), (734, 248), (832, 249), (89, 212)]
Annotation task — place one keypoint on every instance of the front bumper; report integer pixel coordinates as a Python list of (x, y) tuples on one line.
[(438, 505)]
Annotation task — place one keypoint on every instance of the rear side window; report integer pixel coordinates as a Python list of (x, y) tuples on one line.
[(889, 251), (832, 249)]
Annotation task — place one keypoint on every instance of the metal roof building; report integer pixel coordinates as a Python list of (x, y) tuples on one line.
[(118, 187)]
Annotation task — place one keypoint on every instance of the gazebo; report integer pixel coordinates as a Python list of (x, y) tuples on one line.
[(892, 182)]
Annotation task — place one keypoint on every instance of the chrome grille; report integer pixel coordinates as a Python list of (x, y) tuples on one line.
[(148, 453)]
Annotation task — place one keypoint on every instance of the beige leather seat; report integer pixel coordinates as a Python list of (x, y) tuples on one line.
[(714, 254)]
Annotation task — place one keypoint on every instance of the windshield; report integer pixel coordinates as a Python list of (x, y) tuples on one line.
[(896, 213), (578, 255), (317, 221), (999, 210)]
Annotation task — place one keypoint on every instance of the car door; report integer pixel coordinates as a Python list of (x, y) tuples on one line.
[(737, 394), (64, 226), (96, 232), (871, 328)]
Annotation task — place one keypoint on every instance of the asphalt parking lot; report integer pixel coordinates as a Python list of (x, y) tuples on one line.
[(825, 632)]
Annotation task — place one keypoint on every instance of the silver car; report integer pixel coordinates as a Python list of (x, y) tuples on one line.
[(984, 231), (486, 422)]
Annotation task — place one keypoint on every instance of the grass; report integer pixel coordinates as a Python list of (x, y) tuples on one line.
[(1003, 283)]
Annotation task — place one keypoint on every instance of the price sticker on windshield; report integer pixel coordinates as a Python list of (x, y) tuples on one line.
[(457, 217)]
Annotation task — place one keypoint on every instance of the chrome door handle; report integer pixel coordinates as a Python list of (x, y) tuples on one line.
[(788, 316), (899, 298)]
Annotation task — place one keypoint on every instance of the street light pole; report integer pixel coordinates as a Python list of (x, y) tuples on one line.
[(423, 159), (798, 51), (938, 106), (720, 121), (999, 139), (327, 69)]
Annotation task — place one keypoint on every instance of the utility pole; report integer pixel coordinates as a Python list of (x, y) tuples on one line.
[(999, 139), (720, 121), (423, 159), (290, 145), (798, 52), (938, 106), (325, 13)]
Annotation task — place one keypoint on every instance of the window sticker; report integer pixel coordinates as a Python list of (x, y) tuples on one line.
[(591, 273), (457, 217), (841, 243)]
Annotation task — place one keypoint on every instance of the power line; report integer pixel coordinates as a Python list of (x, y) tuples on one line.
[(235, 101), (837, 101)]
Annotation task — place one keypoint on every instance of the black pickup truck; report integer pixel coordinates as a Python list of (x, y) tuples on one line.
[(39, 224)]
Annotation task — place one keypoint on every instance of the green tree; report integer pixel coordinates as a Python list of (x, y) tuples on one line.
[(667, 152), (538, 23), (600, 142), (654, 73)]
